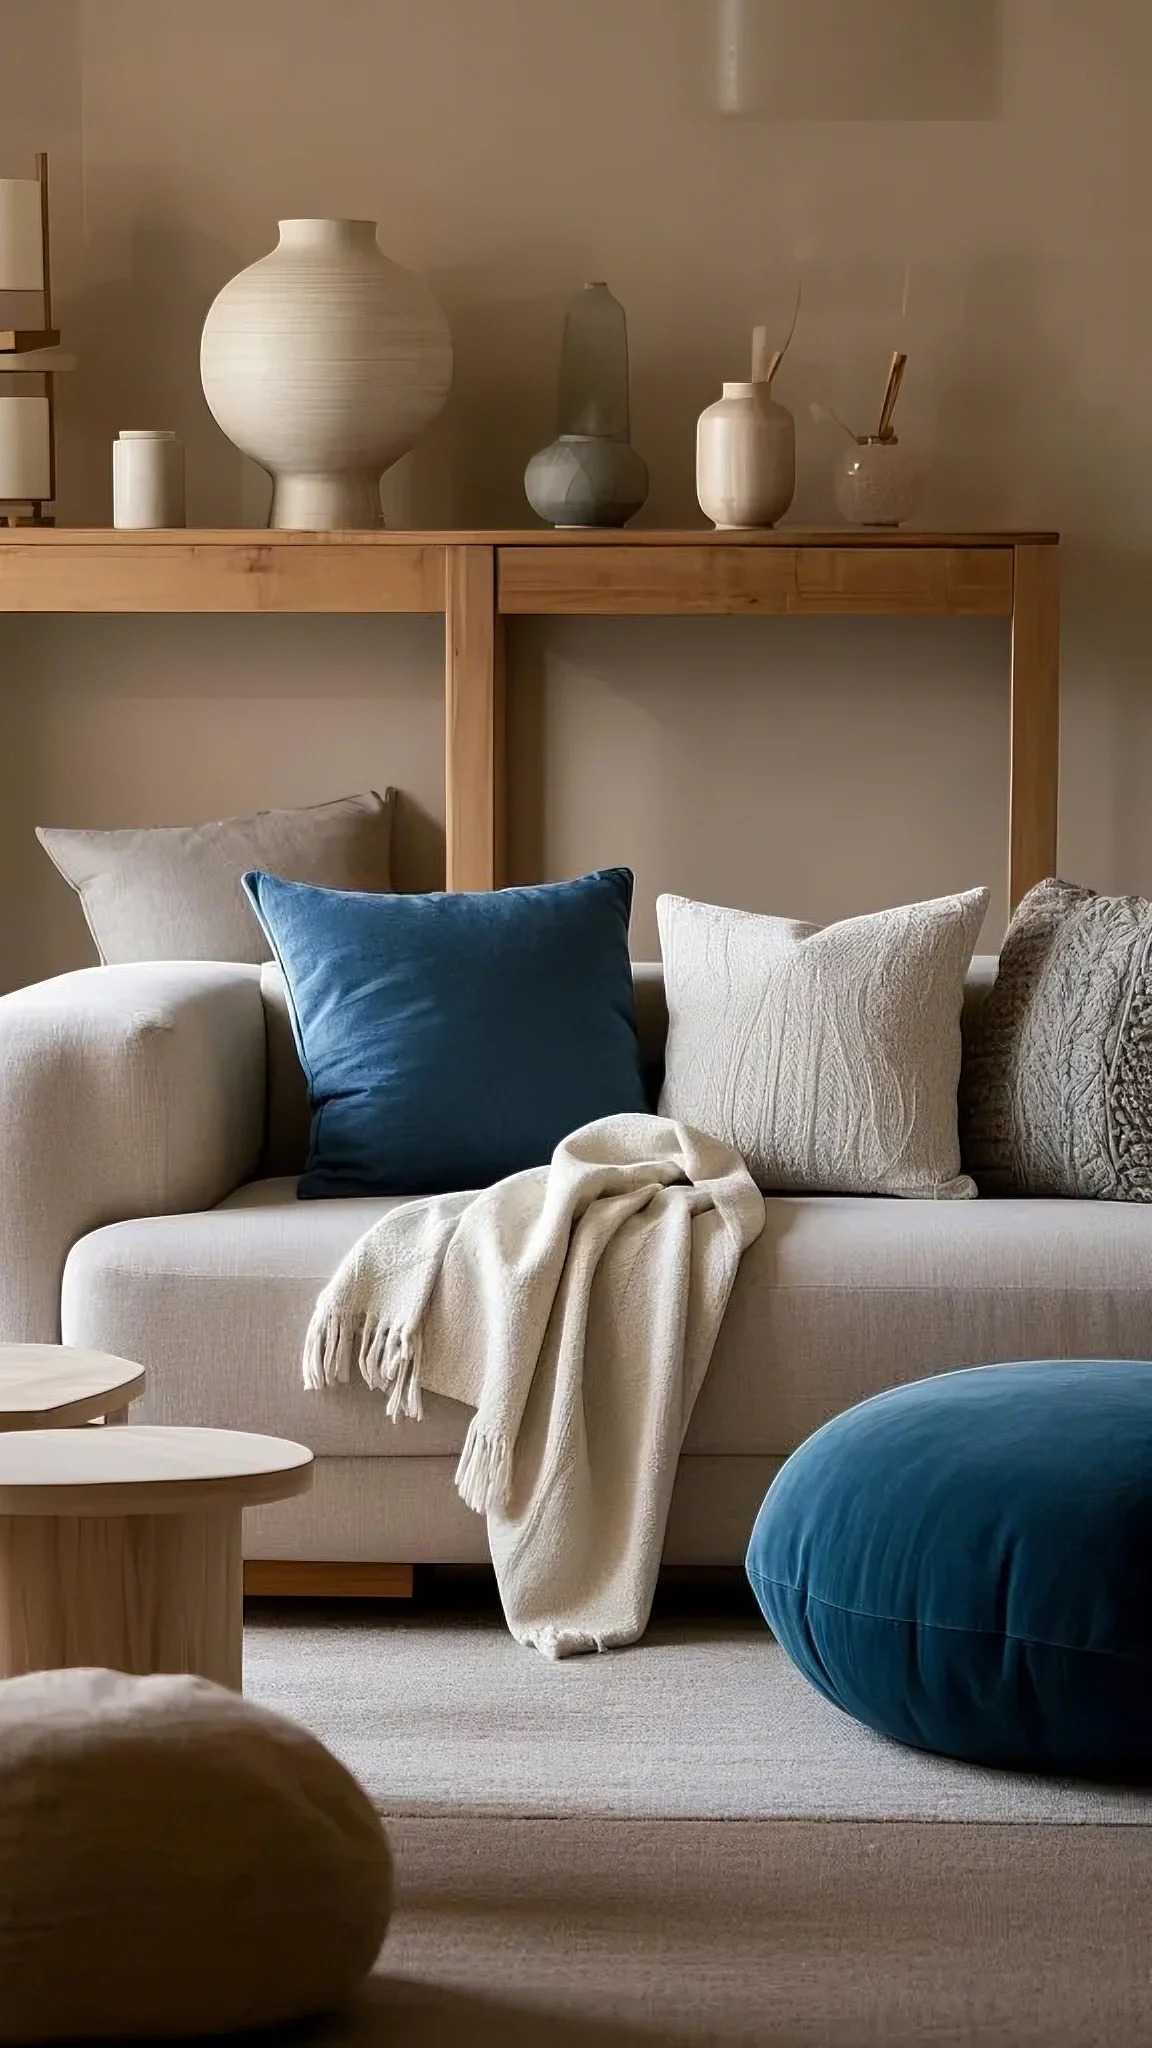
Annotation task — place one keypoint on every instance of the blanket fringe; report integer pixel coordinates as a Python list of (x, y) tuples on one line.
[(399, 1370), (329, 1349), (388, 1357), (484, 1474), (390, 1363)]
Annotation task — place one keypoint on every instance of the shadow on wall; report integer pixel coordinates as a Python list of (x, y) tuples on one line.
[(137, 335), (469, 469), (1008, 432), (1107, 715), (803, 767), (837, 60), (1020, 443), (160, 720)]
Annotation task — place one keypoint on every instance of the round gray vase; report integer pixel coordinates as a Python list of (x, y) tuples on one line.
[(586, 480)]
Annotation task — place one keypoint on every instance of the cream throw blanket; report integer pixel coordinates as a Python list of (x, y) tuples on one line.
[(574, 1307)]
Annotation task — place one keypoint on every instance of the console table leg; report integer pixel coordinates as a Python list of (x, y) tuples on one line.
[(1034, 775), (473, 720), (133, 1593)]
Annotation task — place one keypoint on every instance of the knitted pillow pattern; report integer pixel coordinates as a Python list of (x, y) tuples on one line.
[(1056, 1090)]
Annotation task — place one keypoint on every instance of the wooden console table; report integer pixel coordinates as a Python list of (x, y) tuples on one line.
[(479, 579)]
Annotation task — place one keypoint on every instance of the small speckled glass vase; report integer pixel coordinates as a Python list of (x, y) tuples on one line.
[(878, 483)]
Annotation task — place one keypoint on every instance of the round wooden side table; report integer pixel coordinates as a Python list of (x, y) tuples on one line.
[(122, 1547), (50, 1386)]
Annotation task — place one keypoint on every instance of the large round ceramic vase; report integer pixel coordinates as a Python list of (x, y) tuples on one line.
[(325, 361), (745, 458)]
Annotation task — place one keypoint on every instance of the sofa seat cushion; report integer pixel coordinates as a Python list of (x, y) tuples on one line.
[(217, 1305), (838, 1299)]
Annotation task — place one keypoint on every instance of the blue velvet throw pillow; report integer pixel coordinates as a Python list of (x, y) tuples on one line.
[(449, 1040), (965, 1563)]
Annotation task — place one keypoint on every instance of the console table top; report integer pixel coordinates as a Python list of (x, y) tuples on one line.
[(534, 536), (478, 580)]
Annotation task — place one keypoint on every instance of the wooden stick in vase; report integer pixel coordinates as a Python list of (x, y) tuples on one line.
[(764, 366), (895, 378)]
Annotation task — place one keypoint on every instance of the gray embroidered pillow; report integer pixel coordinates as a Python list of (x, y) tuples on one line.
[(1056, 1095)]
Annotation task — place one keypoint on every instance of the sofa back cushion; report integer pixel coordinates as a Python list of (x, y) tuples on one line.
[(174, 893), (289, 1119), (827, 1056), (451, 1039)]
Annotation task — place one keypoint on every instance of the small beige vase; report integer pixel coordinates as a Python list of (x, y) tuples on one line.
[(745, 458), (324, 362)]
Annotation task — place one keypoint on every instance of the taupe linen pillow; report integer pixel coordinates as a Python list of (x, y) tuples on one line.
[(1056, 1094), (829, 1058), (175, 1860), (173, 892)]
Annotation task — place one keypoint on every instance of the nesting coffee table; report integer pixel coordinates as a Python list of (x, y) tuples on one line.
[(49, 1386), (122, 1547)]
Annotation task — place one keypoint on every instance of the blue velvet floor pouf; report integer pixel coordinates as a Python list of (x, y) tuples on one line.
[(966, 1564)]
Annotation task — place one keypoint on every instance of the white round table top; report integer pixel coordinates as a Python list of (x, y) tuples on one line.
[(56, 1383), (145, 1470)]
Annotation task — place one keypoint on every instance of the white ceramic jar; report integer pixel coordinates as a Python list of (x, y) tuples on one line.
[(147, 478), (324, 362), (745, 458), (877, 483)]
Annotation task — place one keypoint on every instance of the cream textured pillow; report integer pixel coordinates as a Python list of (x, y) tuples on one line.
[(174, 1860), (173, 892), (829, 1058)]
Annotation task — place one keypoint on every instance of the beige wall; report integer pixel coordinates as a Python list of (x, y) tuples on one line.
[(510, 149)]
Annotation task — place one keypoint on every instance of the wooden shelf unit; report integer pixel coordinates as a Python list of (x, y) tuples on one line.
[(480, 579)]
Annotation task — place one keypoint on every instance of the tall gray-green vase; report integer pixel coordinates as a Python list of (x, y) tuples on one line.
[(590, 475)]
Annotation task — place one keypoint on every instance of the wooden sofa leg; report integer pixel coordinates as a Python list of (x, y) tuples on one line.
[(291, 1577)]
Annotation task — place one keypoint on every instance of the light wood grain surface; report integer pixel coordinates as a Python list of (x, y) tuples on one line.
[(813, 580), (124, 1547), (145, 1470), (474, 721), (44, 1384), (65, 537), (134, 1592), (477, 578), (201, 573), (327, 1579), (1034, 720)]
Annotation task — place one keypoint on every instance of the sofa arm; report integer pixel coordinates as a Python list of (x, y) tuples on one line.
[(124, 1091)]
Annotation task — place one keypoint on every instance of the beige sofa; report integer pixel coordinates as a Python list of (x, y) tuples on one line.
[(151, 1122)]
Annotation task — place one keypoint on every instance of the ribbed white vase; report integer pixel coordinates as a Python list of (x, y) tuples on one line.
[(745, 458), (325, 361)]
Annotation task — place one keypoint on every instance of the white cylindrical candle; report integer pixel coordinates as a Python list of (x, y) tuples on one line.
[(147, 478), (25, 459), (21, 236)]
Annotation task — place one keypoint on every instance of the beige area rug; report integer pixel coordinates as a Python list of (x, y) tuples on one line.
[(612, 1934), (702, 1721), (683, 1843)]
